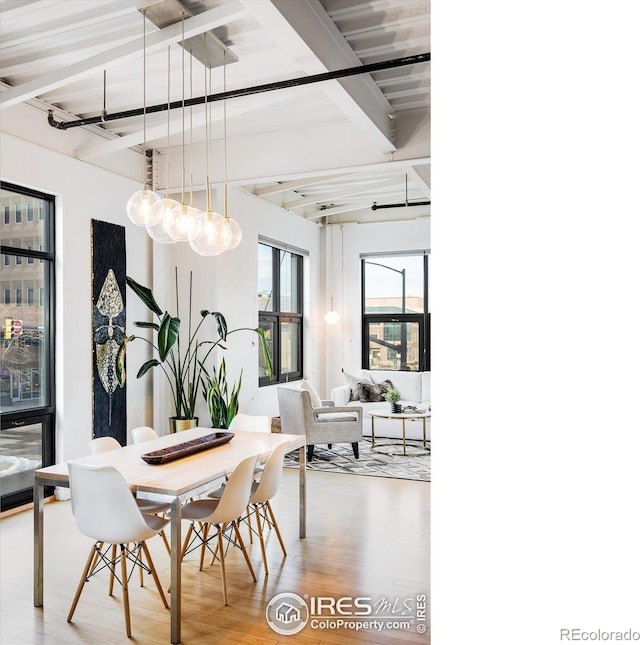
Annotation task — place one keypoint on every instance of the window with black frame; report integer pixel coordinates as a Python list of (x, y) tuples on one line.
[(26, 362), (395, 312), (280, 296)]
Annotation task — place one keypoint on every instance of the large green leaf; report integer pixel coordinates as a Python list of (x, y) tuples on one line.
[(147, 325), (147, 366), (145, 294), (222, 324), (167, 335), (121, 374), (268, 365)]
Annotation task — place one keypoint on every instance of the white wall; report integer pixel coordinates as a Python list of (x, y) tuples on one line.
[(83, 192), (344, 340), (228, 283)]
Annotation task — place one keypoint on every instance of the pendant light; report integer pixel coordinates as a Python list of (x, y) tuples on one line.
[(161, 210), (184, 221), (139, 206), (332, 316), (234, 227), (215, 235)]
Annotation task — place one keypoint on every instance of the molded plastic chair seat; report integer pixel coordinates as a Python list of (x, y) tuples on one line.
[(261, 494), (147, 506), (223, 513), (105, 511), (143, 433)]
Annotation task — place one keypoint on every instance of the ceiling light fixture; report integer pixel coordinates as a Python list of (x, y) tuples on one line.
[(234, 227), (139, 206), (332, 316), (184, 220), (215, 235), (162, 208)]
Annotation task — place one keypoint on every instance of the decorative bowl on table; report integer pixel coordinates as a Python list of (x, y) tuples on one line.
[(186, 448)]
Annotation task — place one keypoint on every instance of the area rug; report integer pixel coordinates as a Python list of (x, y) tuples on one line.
[(340, 459)]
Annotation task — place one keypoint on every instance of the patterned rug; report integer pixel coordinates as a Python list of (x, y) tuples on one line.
[(340, 459)]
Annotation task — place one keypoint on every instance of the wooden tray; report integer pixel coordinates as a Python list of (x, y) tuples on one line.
[(187, 448)]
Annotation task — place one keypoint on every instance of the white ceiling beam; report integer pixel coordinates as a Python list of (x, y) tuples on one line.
[(160, 131), (326, 172), (355, 190), (419, 176), (307, 33), (205, 21), (328, 212), (292, 185)]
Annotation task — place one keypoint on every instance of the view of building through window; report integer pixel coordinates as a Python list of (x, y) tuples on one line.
[(280, 311), (26, 363), (395, 312)]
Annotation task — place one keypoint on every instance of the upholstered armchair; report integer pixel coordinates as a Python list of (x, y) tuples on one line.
[(327, 424)]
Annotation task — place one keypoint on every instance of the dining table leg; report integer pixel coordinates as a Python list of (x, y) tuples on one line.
[(302, 474), (176, 568), (38, 543)]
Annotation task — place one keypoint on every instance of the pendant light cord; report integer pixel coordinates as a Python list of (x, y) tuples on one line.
[(144, 99), (166, 190), (224, 114), (183, 170)]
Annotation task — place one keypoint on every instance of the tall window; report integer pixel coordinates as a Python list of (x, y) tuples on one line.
[(27, 339), (280, 311), (395, 312)]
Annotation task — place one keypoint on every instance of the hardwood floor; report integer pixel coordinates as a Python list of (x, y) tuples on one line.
[(366, 536)]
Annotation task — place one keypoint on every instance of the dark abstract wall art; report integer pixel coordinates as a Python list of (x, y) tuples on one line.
[(109, 270)]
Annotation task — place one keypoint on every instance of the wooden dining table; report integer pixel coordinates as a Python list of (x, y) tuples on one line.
[(174, 481)]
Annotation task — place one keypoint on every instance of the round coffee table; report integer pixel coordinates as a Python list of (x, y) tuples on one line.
[(411, 416)]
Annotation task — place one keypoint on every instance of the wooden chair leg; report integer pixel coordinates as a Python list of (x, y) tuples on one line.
[(112, 568), (244, 551), (125, 590), (185, 544), (261, 536), (310, 452), (203, 548), (275, 526), (222, 567), (154, 574), (249, 525), (356, 454), (88, 566), (166, 542)]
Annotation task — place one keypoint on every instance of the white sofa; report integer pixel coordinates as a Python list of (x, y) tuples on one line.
[(414, 388)]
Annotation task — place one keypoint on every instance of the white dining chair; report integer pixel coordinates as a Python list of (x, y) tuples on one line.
[(259, 506), (105, 511), (221, 513), (147, 506), (143, 433), (250, 422)]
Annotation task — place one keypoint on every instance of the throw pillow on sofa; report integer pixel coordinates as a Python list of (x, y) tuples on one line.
[(353, 381), (374, 392)]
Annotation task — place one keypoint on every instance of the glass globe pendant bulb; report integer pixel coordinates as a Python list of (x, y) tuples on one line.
[(236, 233), (331, 317), (214, 236), (140, 205), (184, 222), (161, 210)]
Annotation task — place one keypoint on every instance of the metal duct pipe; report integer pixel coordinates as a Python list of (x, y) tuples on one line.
[(375, 206), (256, 89)]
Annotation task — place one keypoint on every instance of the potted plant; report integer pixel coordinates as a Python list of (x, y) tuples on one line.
[(221, 404), (184, 367), (393, 396)]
